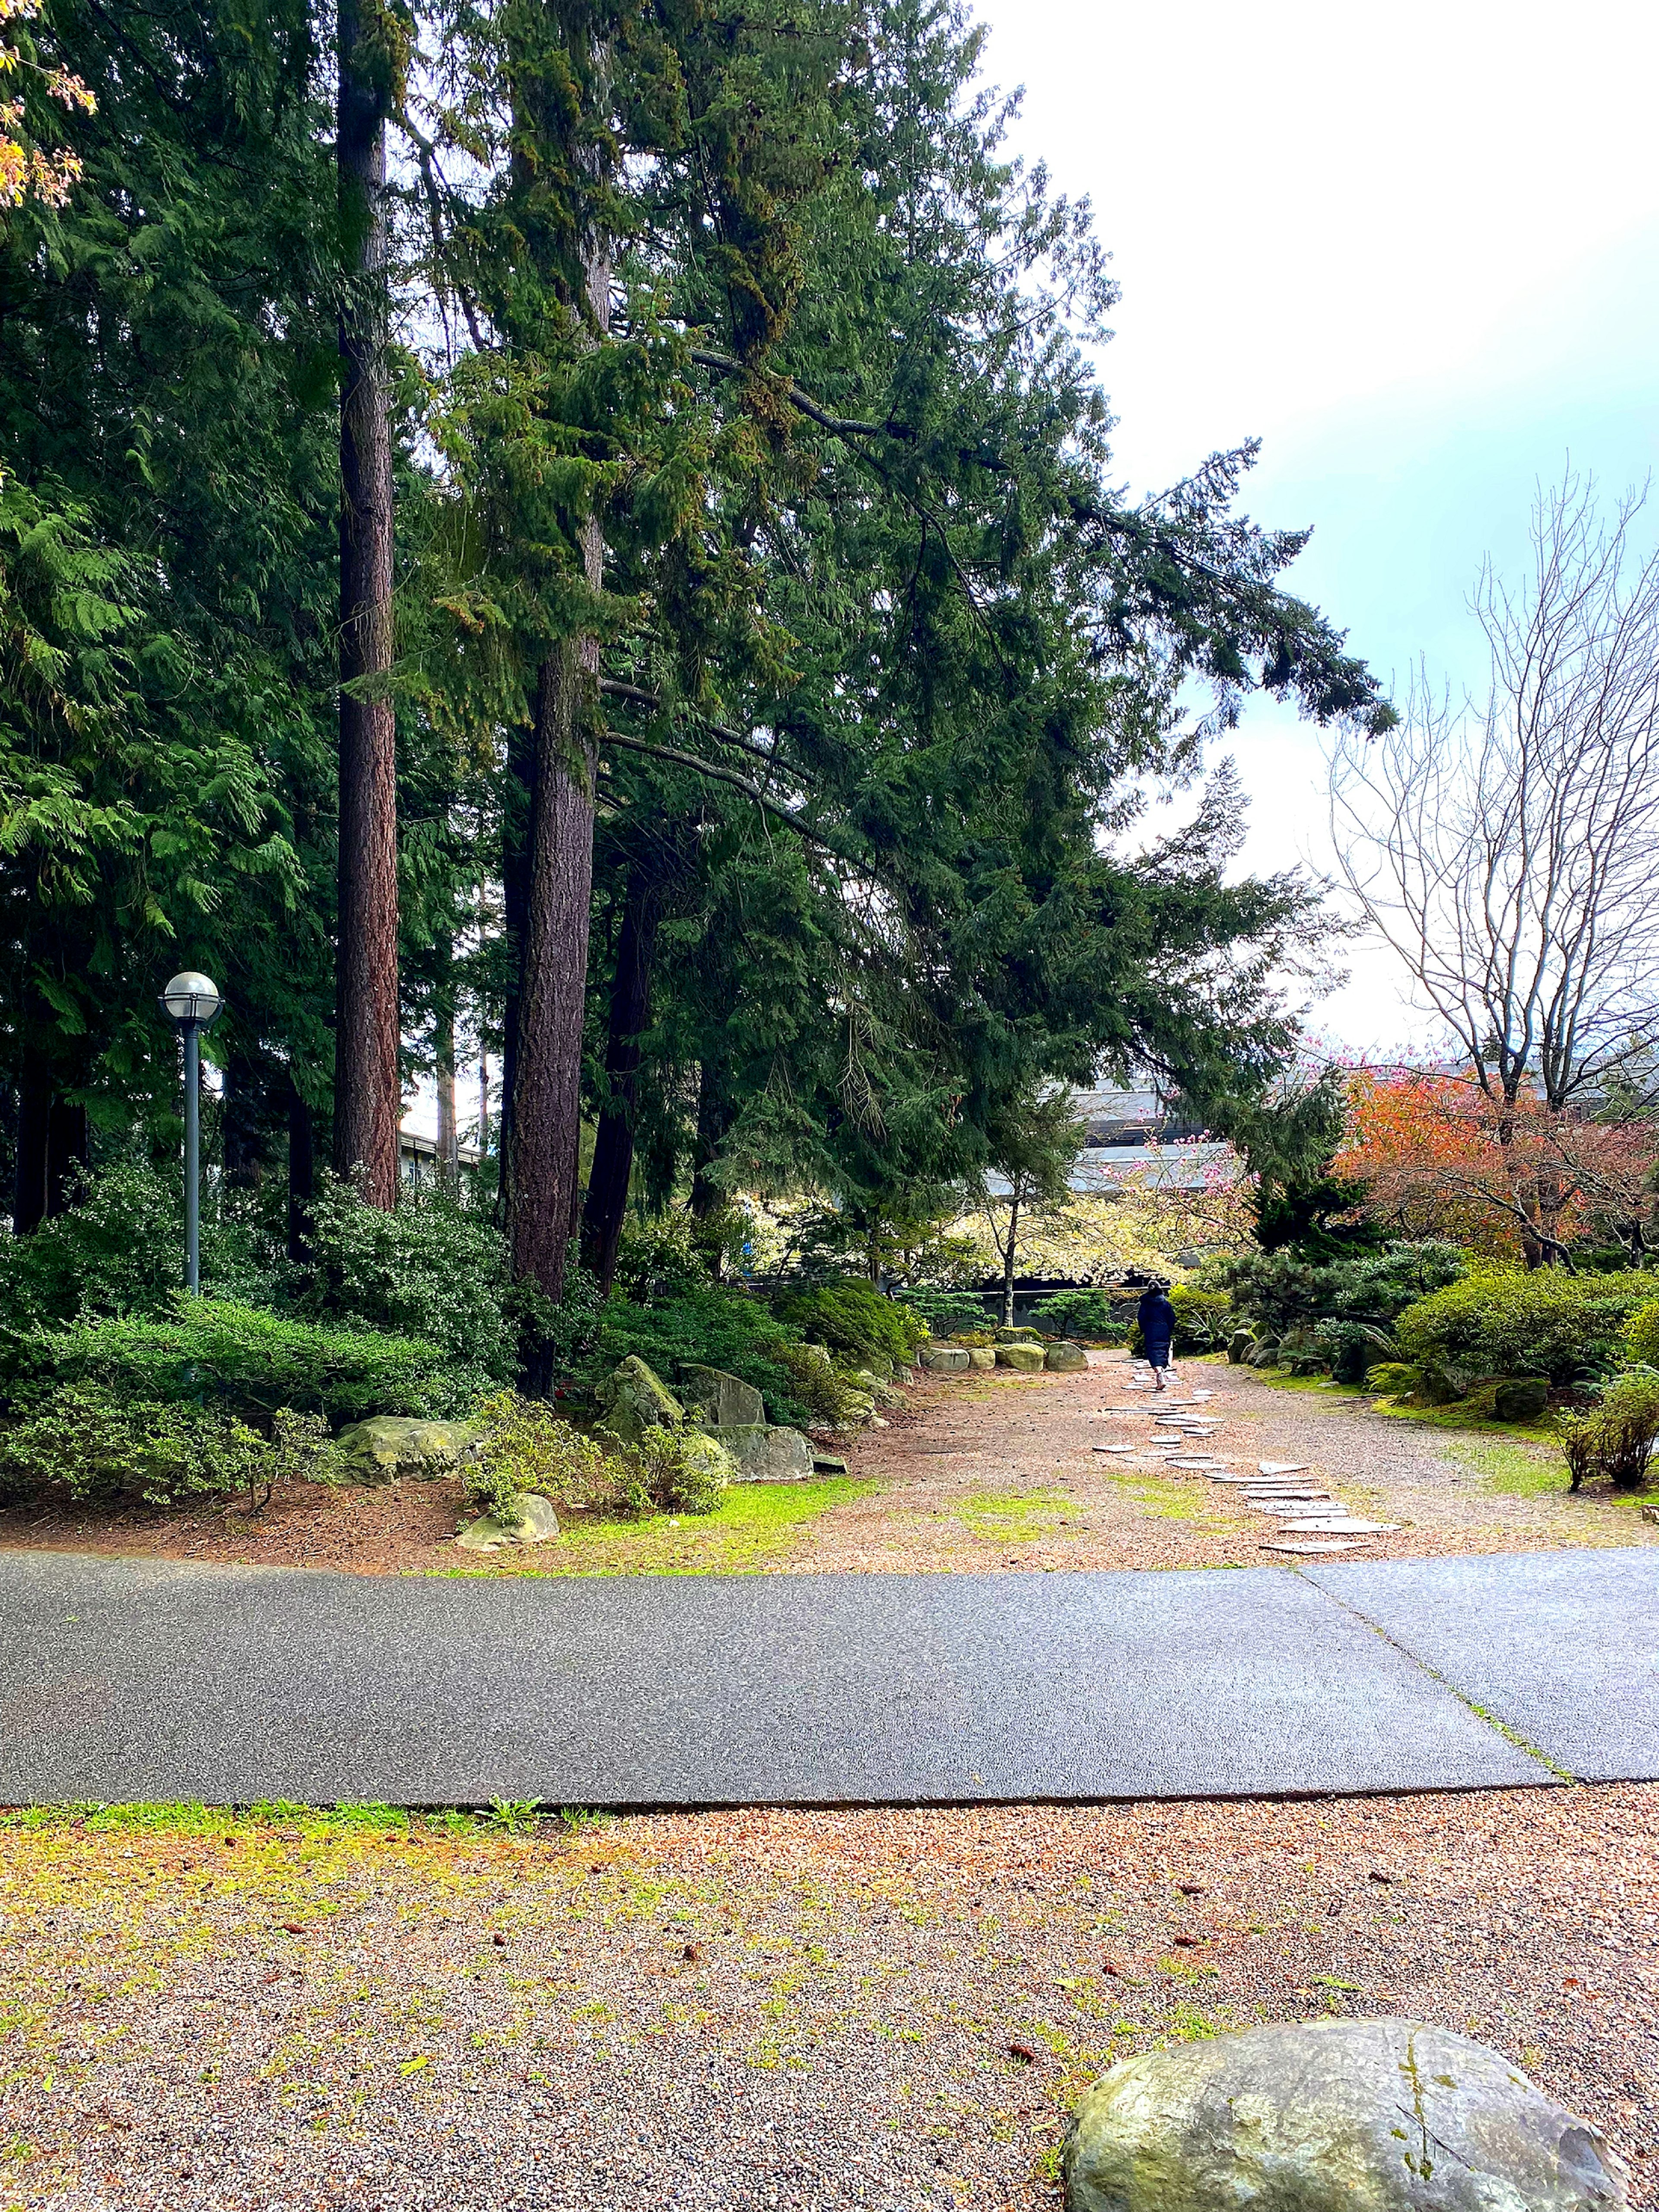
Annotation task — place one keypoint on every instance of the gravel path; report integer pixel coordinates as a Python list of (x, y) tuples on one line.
[(881, 2010), (984, 1473)]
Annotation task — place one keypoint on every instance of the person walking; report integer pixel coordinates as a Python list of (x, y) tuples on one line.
[(1157, 1322)]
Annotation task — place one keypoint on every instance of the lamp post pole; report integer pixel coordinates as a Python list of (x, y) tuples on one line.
[(191, 1003)]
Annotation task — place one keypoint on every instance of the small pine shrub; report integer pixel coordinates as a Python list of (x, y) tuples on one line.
[(1080, 1313), (947, 1312), (1615, 1438), (1546, 1323), (853, 1317), (814, 1380), (245, 1362)]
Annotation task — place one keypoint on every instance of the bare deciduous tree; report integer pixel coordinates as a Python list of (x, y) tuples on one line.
[(1509, 849)]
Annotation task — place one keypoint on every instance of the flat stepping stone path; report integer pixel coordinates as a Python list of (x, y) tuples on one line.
[(1310, 1548), (1282, 1467), (1341, 1524)]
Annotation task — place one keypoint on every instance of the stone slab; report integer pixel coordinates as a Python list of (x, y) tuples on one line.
[(124, 1679), (1309, 1547), (1562, 1647)]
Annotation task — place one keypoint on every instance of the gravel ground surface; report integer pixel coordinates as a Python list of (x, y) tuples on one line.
[(983, 1472), (887, 2010)]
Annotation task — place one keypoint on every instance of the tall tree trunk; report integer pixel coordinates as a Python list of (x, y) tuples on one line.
[(1515, 1176), (714, 1120), (368, 1093), (1008, 1260), (29, 1205), (301, 1174), (449, 1134), (542, 1169), (67, 1154), (630, 1001), (544, 1149), (517, 804)]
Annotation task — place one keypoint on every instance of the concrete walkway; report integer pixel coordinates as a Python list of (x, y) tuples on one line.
[(122, 1680)]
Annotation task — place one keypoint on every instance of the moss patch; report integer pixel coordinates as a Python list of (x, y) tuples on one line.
[(1169, 1501), (755, 1523), (1019, 1517)]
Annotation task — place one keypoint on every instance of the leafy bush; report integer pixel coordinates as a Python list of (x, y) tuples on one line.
[(714, 1326), (100, 1446), (815, 1380), (682, 1470), (1641, 1336), (245, 1362), (524, 1446), (433, 1269), (1546, 1323), (946, 1312), (1616, 1437), (1391, 1378), (1080, 1313), (852, 1316), (120, 1250), (1351, 1348), (1204, 1319), (1279, 1290)]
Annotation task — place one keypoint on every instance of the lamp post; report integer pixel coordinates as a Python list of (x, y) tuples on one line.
[(191, 1003)]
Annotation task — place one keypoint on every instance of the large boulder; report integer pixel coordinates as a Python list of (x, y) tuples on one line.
[(1522, 1398), (1007, 1334), (1026, 1358), (534, 1522), (636, 1399), (1332, 2116), (1240, 1345), (945, 1359), (724, 1401), (1065, 1358), (766, 1454), (879, 1392), (982, 1355), (1437, 1385), (390, 1447)]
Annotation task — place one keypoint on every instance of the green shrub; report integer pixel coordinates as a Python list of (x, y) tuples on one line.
[(1081, 1313), (1204, 1319), (524, 1446), (242, 1361), (682, 1470), (814, 1380), (1391, 1378), (1351, 1348), (714, 1326), (1615, 1439), (100, 1446), (1546, 1323), (433, 1268), (853, 1316), (120, 1250), (1277, 1290), (1641, 1336), (946, 1312)]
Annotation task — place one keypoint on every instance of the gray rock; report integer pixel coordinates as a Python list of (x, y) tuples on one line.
[(1008, 1335), (879, 1391), (1065, 1358), (945, 1359), (982, 1355), (1240, 1345), (825, 1462), (1332, 2116), (1436, 1385), (766, 1454), (1026, 1358), (535, 1522), (636, 1399), (1262, 1354), (724, 1401), (1521, 1399), (389, 1448)]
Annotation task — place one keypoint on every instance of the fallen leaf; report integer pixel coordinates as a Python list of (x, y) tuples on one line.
[(1377, 1875), (1187, 1942), (693, 1951), (296, 1928), (1028, 2052), (414, 2065), (1190, 1888)]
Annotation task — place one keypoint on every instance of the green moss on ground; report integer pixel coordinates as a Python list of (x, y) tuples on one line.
[(1019, 1517), (755, 1523)]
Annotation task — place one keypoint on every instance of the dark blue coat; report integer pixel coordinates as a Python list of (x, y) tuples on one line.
[(1157, 1318)]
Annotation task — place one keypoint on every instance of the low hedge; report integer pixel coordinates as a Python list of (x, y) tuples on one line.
[(1546, 1323), (243, 1362)]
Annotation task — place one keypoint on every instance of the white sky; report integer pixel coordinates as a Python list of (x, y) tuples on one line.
[(1411, 248)]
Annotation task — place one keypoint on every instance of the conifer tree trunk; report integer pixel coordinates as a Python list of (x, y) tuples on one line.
[(541, 1153), (301, 1172), (630, 1003), (449, 1135), (1008, 1251), (29, 1205), (714, 1120), (367, 1094)]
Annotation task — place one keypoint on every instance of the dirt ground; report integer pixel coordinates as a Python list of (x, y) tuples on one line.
[(985, 1473), (887, 2009)]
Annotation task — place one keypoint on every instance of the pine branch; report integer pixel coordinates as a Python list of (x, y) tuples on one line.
[(842, 426), (632, 695), (750, 791)]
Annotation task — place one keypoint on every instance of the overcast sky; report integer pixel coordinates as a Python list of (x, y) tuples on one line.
[(1412, 249)]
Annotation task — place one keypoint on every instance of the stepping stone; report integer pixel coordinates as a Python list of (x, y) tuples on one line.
[(1282, 1466), (1202, 1465), (1113, 1448), (1341, 1524), (1307, 1550)]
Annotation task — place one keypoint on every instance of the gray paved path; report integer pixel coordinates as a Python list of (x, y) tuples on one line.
[(124, 1680)]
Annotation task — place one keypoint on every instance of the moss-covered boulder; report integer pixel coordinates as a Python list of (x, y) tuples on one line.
[(764, 1454), (724, 1401), (1065, 1358), (533, 1522), (982, 1355), (1024, 1358), (1006, 1335), (1521, 1398), (1240, 1345), (945, 1359), (1333, 2116), (391, 1448), (636, 1399)]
